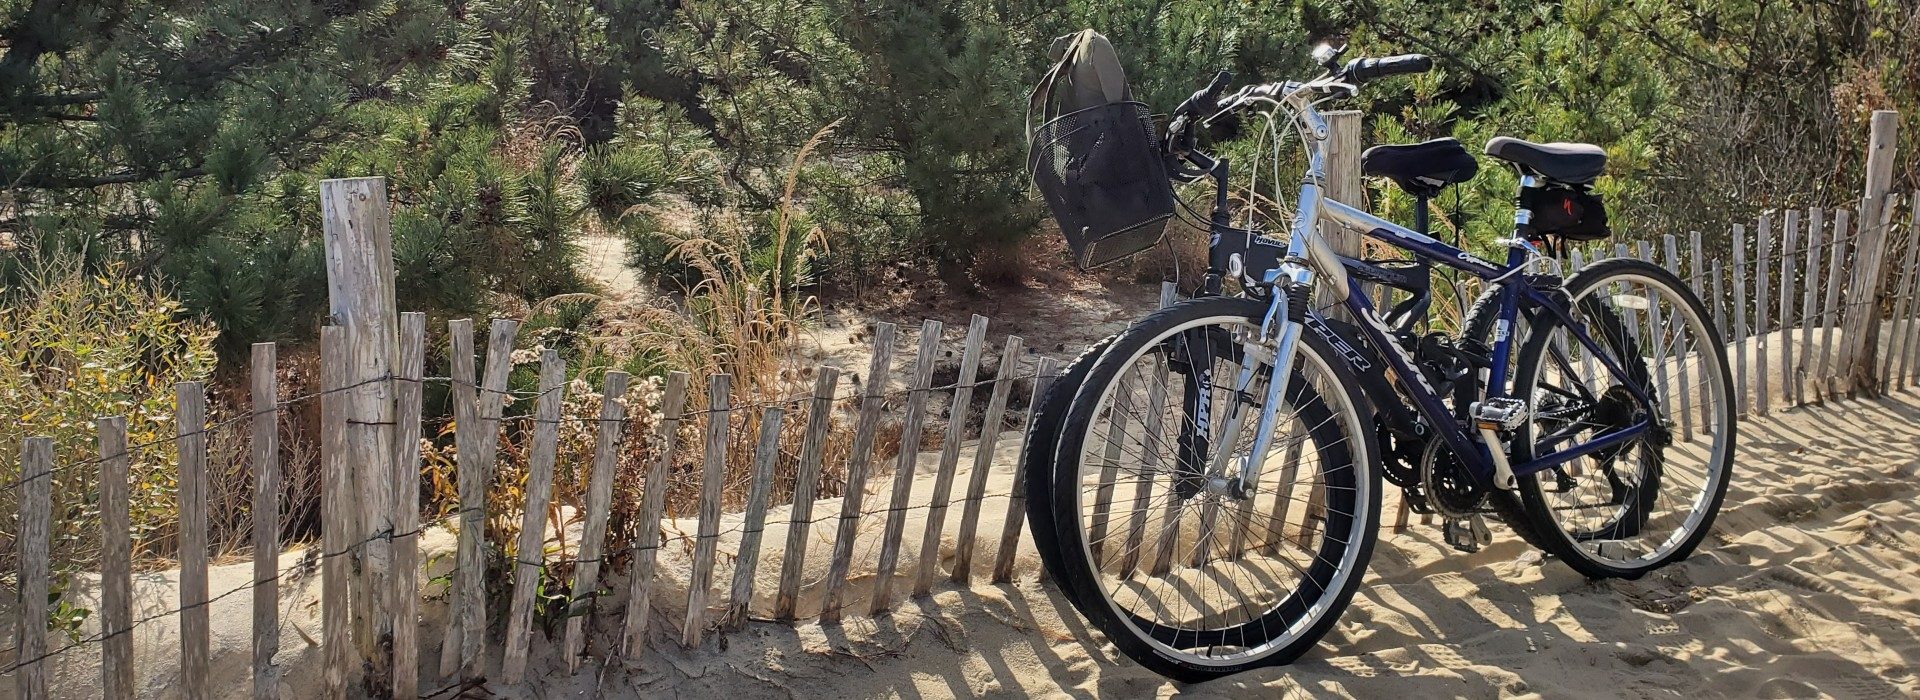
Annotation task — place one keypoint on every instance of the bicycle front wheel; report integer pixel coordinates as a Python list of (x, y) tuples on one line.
[(1190, 577), (1626, 510)]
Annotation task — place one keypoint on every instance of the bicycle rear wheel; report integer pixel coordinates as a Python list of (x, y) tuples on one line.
[(1627, 510), (1188, 578)]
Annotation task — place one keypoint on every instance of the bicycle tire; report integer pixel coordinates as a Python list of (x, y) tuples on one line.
[(1080, 577), (1634, 510)]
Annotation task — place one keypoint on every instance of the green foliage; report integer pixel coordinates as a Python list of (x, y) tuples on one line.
[(185, 140)]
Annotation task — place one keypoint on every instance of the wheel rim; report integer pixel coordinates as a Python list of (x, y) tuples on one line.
[(1632, 509), (1263, 578)]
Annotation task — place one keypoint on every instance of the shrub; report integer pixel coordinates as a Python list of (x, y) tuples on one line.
[(78, 346)]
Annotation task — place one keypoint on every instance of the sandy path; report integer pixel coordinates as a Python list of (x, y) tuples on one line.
[(1806, 589)]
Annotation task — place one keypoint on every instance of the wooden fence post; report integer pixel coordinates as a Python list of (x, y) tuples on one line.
[(1862, 337), (950, 454), (360, 291), (116, 561), (1003, 559), (195, 630), (759, 490), (1343, 183), (646, 552), (906, 463), (806, 482), (337, 514), (266, 519), (1343, 175), (529, 556), (983, 459), (408, 395), (712, 480), (859, 463), (606, 461), (35, 546)]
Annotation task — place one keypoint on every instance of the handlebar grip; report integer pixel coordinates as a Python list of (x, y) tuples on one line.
[(1205, 97), (1361, 70)]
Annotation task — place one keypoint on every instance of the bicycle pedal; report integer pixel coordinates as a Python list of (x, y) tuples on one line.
[(1500, 414), (1467, 534)]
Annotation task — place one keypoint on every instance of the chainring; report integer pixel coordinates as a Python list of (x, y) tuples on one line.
[(1450, 490)]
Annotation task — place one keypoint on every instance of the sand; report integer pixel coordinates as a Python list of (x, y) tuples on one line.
[(1807, 588)]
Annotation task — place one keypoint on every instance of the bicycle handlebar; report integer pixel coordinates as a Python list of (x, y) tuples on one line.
[(1362, 70), (1206, 104)]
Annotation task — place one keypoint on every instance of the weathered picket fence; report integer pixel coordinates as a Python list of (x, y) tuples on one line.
[(1824, 300)]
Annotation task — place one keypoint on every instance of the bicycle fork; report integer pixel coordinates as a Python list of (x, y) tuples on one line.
[(1201, 467)]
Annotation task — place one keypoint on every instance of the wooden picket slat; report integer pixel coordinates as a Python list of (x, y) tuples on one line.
[(408, 393), (1656, 319), (759, 491), (606, 461), (1740, 333), (859, 464), (929, 564), (1697, 265), (477, 443), (1671, 245), (466, 530), (1719, 306), (1153, 425), (904, 467), (712, 483), (265, 445), (1117, 414), (1763, 261), (653, 503), (1003, 559), (1907, 344), (983, 453), (1809, 311), (1830, 308), (1902, 304), (1789, 269), (35, 547), (529, 556), (806, 482), (337, 515), (116, 560), (195, 628), (1283, 492)]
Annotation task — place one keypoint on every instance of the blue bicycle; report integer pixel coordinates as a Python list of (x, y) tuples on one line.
[(1206, 485)]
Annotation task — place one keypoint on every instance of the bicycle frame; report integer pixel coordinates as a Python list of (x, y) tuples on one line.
[(1308, 259), (1515, 287)]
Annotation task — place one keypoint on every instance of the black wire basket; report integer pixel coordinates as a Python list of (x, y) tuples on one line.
[(1101, 173)]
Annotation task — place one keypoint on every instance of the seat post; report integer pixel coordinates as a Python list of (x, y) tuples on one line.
[(1420, 214)]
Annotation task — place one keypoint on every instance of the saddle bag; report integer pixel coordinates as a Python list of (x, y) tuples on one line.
[(1095, 156), (1572, 213)]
